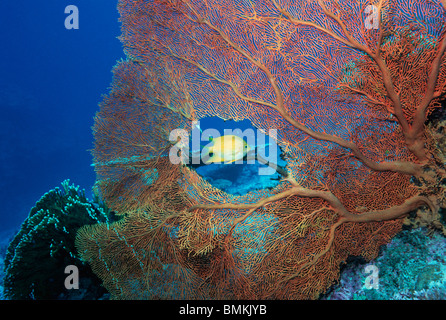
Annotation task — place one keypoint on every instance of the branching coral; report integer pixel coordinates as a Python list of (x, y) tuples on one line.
[(349, 103)]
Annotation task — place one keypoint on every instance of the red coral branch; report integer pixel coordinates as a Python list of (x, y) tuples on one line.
[(350, 105)]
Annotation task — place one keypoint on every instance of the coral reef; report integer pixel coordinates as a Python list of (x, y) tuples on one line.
[(36, 258), (349, 102), (4, 241), (238, 179), (411, 267)]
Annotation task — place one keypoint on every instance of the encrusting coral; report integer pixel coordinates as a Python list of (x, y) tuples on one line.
[(37, 256), (411, 267)]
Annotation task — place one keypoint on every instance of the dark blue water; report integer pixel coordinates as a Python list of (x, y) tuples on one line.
[(51, 81)]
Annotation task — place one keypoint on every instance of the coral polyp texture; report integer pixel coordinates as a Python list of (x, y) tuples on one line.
[(36, 258), (350, 95)]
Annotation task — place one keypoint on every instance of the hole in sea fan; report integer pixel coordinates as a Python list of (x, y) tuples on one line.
[(238, 178)]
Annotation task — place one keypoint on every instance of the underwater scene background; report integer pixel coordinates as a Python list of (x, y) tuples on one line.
[(100, 193), (52, 80)]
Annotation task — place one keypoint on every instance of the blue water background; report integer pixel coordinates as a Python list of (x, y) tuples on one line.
[(51, 81)]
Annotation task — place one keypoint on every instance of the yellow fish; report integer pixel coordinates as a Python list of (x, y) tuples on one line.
[(227, 149)]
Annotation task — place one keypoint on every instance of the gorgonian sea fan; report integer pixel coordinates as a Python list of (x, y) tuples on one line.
[(349, 99)]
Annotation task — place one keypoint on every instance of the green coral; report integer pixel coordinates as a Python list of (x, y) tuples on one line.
[(404, 268), (36, 258), (411, 267)]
